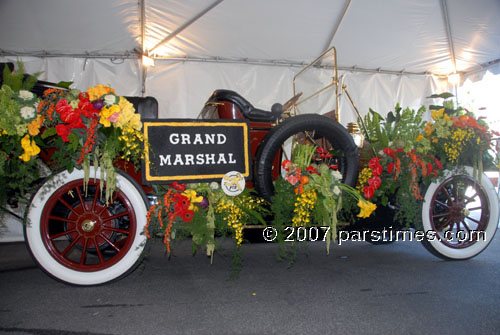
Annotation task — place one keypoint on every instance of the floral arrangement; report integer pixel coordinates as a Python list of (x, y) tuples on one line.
[(404, 152), (200, 211), (18, 124), (318, 193), (182, 207), (306, 194), (458, 137), (67, 128)]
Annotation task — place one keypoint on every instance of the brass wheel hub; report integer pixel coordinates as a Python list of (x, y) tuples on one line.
[(88, 225)]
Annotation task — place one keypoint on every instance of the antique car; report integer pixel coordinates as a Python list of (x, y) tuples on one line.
[(77, 237)]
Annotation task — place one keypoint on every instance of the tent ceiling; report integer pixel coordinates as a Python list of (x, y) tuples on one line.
[(392, 35)]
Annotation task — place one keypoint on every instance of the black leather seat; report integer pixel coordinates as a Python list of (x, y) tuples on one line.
[(246, 108), (146, 106)]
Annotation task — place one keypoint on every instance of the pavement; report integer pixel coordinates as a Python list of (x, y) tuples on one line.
[(360, 288)]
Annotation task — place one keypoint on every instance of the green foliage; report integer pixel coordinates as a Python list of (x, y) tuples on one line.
[(15, 79), (399, 129), (282, 206), (64, 84), (17, 111)]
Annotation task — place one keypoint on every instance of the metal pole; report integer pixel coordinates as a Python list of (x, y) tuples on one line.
[(448, 34), (185, 25), (337, 25), (143, 40)]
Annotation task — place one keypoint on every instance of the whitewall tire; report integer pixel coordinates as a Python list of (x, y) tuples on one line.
[(77, 238), (462, 212)]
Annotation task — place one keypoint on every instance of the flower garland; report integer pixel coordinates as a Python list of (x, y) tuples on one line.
[(200, 209)]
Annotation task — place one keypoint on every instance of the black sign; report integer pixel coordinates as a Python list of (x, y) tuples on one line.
[(195, 150)]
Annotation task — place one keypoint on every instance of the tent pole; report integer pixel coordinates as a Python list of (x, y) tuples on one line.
[(451, 47), (142, 11), (337, 25), (185, 25)]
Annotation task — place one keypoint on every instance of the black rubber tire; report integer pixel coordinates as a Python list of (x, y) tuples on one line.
[(328, 128)]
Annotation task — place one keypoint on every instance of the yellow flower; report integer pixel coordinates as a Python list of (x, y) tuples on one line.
[(109, 114), (135, 122), (30, 148), (436, 115), (366, 208), (98, 91), (428, 129), (419, 137), (193, 198)]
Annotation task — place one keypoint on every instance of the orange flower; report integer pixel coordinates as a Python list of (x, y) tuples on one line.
[(34, 126)]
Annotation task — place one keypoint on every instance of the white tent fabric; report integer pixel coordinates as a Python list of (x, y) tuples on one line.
[(93, 42), (389, 51)]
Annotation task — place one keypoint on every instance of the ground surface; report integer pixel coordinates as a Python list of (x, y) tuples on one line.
[(360, 288)]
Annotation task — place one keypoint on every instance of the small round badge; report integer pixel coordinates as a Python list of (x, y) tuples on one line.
[(233, 183)]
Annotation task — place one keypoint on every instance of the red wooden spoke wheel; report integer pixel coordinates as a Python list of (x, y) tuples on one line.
[(76, 237), (82, 232), (462, 213)]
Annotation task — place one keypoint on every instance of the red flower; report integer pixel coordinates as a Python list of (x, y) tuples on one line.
[(63, 131), (178, 187), (368, 192), (429, 169), (321, 150), (389, 152), (66, 112), (373, 162), (62, 107), (312, 170), (286, 164), (181, 204), (390, 167), (333, 166), (187, 215), (375, 182), (438, 163), (77, 123), (83, 96), (377, 170)]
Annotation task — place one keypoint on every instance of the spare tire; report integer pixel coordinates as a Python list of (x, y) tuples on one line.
[(308, 128)]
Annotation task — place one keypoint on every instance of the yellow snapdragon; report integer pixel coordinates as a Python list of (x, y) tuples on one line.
[(30, 148), (366, 208)]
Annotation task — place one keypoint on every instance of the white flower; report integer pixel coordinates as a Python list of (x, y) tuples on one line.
[(336, 174), (27, 112), (26, 95), (109, 99), (336, 190), (214, 186)]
